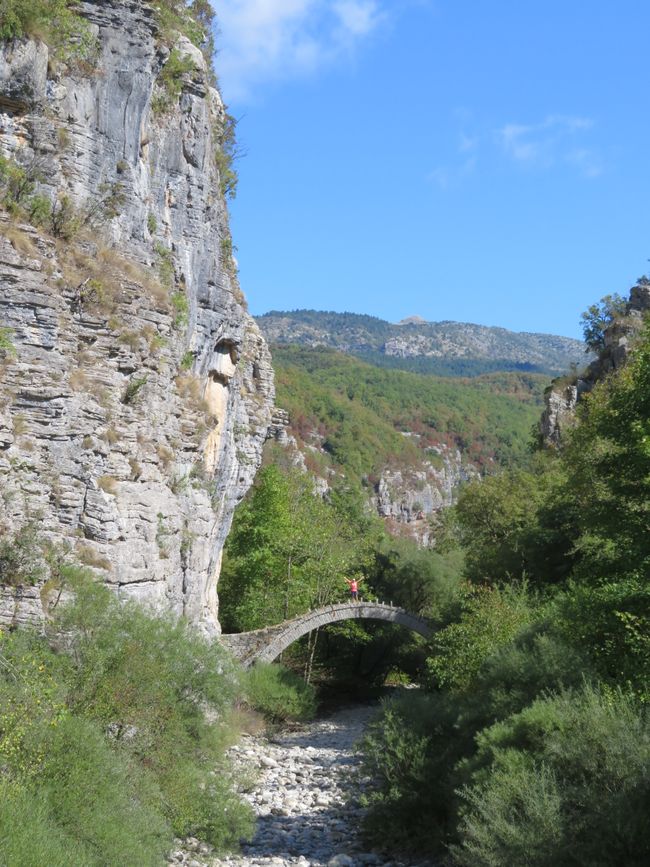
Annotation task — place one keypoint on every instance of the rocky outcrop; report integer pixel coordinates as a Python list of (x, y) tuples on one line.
[(411, 497), (564, 394), (136, 390)]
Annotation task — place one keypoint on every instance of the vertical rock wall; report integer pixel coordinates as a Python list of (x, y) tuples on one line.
[(137, 397)]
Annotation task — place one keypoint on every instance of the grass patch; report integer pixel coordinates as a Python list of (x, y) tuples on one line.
[(107, 484)]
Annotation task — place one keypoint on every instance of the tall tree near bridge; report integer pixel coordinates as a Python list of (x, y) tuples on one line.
[(287, 553)]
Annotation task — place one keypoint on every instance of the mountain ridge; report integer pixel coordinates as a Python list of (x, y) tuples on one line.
[(446, 347)]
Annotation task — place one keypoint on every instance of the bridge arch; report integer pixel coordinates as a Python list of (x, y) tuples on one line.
[(265, 645)]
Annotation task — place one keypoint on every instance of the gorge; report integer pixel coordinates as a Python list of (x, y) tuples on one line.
[(188, 491)]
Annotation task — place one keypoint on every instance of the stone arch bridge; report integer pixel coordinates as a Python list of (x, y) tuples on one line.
[(264, 645)]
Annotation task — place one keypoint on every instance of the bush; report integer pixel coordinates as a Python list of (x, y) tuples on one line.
[(418, 749), (611, 623), (408, 751), (29, 834), (491, 618), (21, 561), (279, 694), (565, 782), (119, 742), (97, 797), (170, 81)]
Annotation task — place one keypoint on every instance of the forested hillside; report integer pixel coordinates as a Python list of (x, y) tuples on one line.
[(361, 412), (441, 348), (407, 440)]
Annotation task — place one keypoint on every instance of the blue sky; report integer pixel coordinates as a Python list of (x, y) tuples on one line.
[(457, 159)]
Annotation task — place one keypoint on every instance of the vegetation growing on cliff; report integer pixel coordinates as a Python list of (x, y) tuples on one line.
[(55, 22)]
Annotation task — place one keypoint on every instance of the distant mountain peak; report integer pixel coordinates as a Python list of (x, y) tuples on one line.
[(412, 320)]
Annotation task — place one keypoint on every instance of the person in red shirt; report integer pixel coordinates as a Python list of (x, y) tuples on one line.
[(353, 584)]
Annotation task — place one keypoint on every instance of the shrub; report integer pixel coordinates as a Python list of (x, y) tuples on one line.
[(279, 693), (149, 681), (20, 557), (420, 747), (565, 782), (133, 389), (107, 484), (65, 220), (193, 19), (181, 307), (491, 619), (7, 347), (408, 750), (225, 155), (93, 794), (165, 264), (40, 210), (29, 834), (170, 81), (611, 624), (187, 361), (117, 743)]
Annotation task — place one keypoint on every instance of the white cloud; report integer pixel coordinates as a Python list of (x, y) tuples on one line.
[(448, 176), (263, 40), (550, 142), (357, 17)]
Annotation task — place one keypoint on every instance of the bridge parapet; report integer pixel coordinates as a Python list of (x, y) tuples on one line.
[(264, 645)]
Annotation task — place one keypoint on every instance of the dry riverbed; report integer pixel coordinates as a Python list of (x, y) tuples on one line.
[(306, 798)]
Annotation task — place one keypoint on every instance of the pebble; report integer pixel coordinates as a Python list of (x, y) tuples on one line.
[(306, 800)]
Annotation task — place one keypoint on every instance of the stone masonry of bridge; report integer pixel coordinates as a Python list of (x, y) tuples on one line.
[(264, 645)]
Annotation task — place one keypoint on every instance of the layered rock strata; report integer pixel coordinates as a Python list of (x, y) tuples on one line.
[(136, 391)]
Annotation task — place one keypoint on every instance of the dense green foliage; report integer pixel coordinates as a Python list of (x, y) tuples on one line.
[(288, 551), (278, 693), (598, 317), (565, 782), (170, 81), (531, 743), (443, 366), (361, 411), (107, 746)]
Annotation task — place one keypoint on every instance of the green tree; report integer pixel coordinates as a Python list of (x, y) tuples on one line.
[(287, 552), (598, 317)]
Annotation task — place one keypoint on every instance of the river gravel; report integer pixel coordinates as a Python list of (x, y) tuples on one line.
[(306, 798)]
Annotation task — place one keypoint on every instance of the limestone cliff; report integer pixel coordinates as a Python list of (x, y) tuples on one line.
[(136, 391), (410, 499), (564, 393)]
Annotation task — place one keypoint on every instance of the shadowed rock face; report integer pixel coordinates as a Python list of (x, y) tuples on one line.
[(115, 450)]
